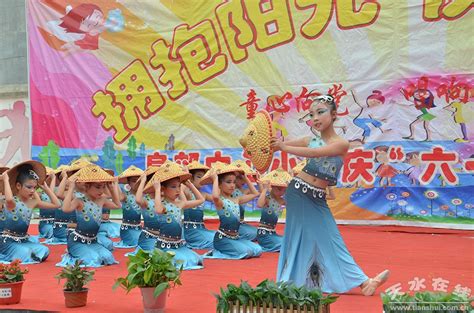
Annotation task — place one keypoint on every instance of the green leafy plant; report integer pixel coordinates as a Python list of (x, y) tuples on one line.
[(76, 276), (150, 269), (11, 273), (281, 294), (426, 301)]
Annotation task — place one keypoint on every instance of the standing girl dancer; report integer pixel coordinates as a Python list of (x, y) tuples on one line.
[(82, 242), (19, 203), (271, 201), (313, 252), (131, 227), (227, 244), (195, 232), (169, 203)]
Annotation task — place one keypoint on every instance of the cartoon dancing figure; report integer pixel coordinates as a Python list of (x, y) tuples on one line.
[(19, 133), (423, 100)]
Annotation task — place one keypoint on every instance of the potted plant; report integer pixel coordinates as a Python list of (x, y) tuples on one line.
[(427, 301), (270, 297), (75, 295), (154, 273), (11, 282)]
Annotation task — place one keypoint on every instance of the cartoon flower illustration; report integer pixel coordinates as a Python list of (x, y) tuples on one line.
[(431, 195), (456, 202), (391, 196), (405, 194)]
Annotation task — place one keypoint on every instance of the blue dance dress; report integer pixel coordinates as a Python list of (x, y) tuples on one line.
[(131, 228), (267, 237), (151, 227), (246, 231), (109, 228), (14, 239), (60, 226), (46, 222), (82, 242), (313, 253), (227, 246), (170, 239), (196, 234)]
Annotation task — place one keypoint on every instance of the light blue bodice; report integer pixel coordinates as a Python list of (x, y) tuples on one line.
[(195, 214), (270, 214), (46, 213), (18, 220), (151, 219), (170, 222), (326, 168), (131, 211), (89, 217), (229, 216)]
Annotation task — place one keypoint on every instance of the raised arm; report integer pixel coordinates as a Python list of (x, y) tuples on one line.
[(7, 190), (70, 204), (300, 142), (159, 208), (54, 204), (62, 185), (262, 199), (199, 197), (139, 195), (115, 203), (52, 183), (336, 148), (251, 195), (216, 192)]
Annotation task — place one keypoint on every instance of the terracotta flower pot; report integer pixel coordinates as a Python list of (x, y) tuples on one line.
[(152, 304), (74, 299), (10, 293)]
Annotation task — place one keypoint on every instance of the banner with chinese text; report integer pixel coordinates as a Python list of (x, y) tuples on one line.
[(136, 82)]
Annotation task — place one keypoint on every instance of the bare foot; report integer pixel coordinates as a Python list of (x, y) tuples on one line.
[(370, 285)]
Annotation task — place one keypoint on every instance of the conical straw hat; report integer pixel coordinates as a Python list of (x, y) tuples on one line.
[(36, 166), (149, 172), (244, 166), (220, 168), (256, 140), (93, 174), (78, 164), (167, 171), (131, 171), (49, 170), (278, 178), (195, 165), (299, 167)]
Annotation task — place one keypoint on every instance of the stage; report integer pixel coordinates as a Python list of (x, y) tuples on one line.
[(407, 251)]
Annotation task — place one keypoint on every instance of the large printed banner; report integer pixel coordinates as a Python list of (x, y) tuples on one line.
[(138, 82)]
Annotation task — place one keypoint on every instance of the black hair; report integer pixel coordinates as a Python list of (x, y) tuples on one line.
[(167, 182), (26, 172), (194, 172), (328, 100), (221, 177)]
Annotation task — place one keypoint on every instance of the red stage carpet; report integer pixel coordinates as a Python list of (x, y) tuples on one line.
[(407, 252)]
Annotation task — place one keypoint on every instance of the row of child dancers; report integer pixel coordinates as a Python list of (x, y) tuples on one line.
[(75, 203)]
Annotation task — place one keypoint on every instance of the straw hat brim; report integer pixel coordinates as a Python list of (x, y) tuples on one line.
[(150, 171), (38, 168), (130, 172), (183, 176), (93, 174), (207, 179), (256, 140)]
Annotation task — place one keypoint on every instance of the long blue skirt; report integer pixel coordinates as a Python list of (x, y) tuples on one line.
[(60, 233), (28, 252), (129, 237), (183, 256), (199, 237), (233, 249), (270, 241), (105, 241), (247, 232), (112, 229), (91, 254), (146, 242), (313, 253), (45, 229)]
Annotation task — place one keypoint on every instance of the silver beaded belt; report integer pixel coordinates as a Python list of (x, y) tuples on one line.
[(125, 226), (48, 220), (83, 238), (223, 234), (60, 224), (14, 237), (307, 188), (264, 231), (188, 224), (149, 234), (168, 244)]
